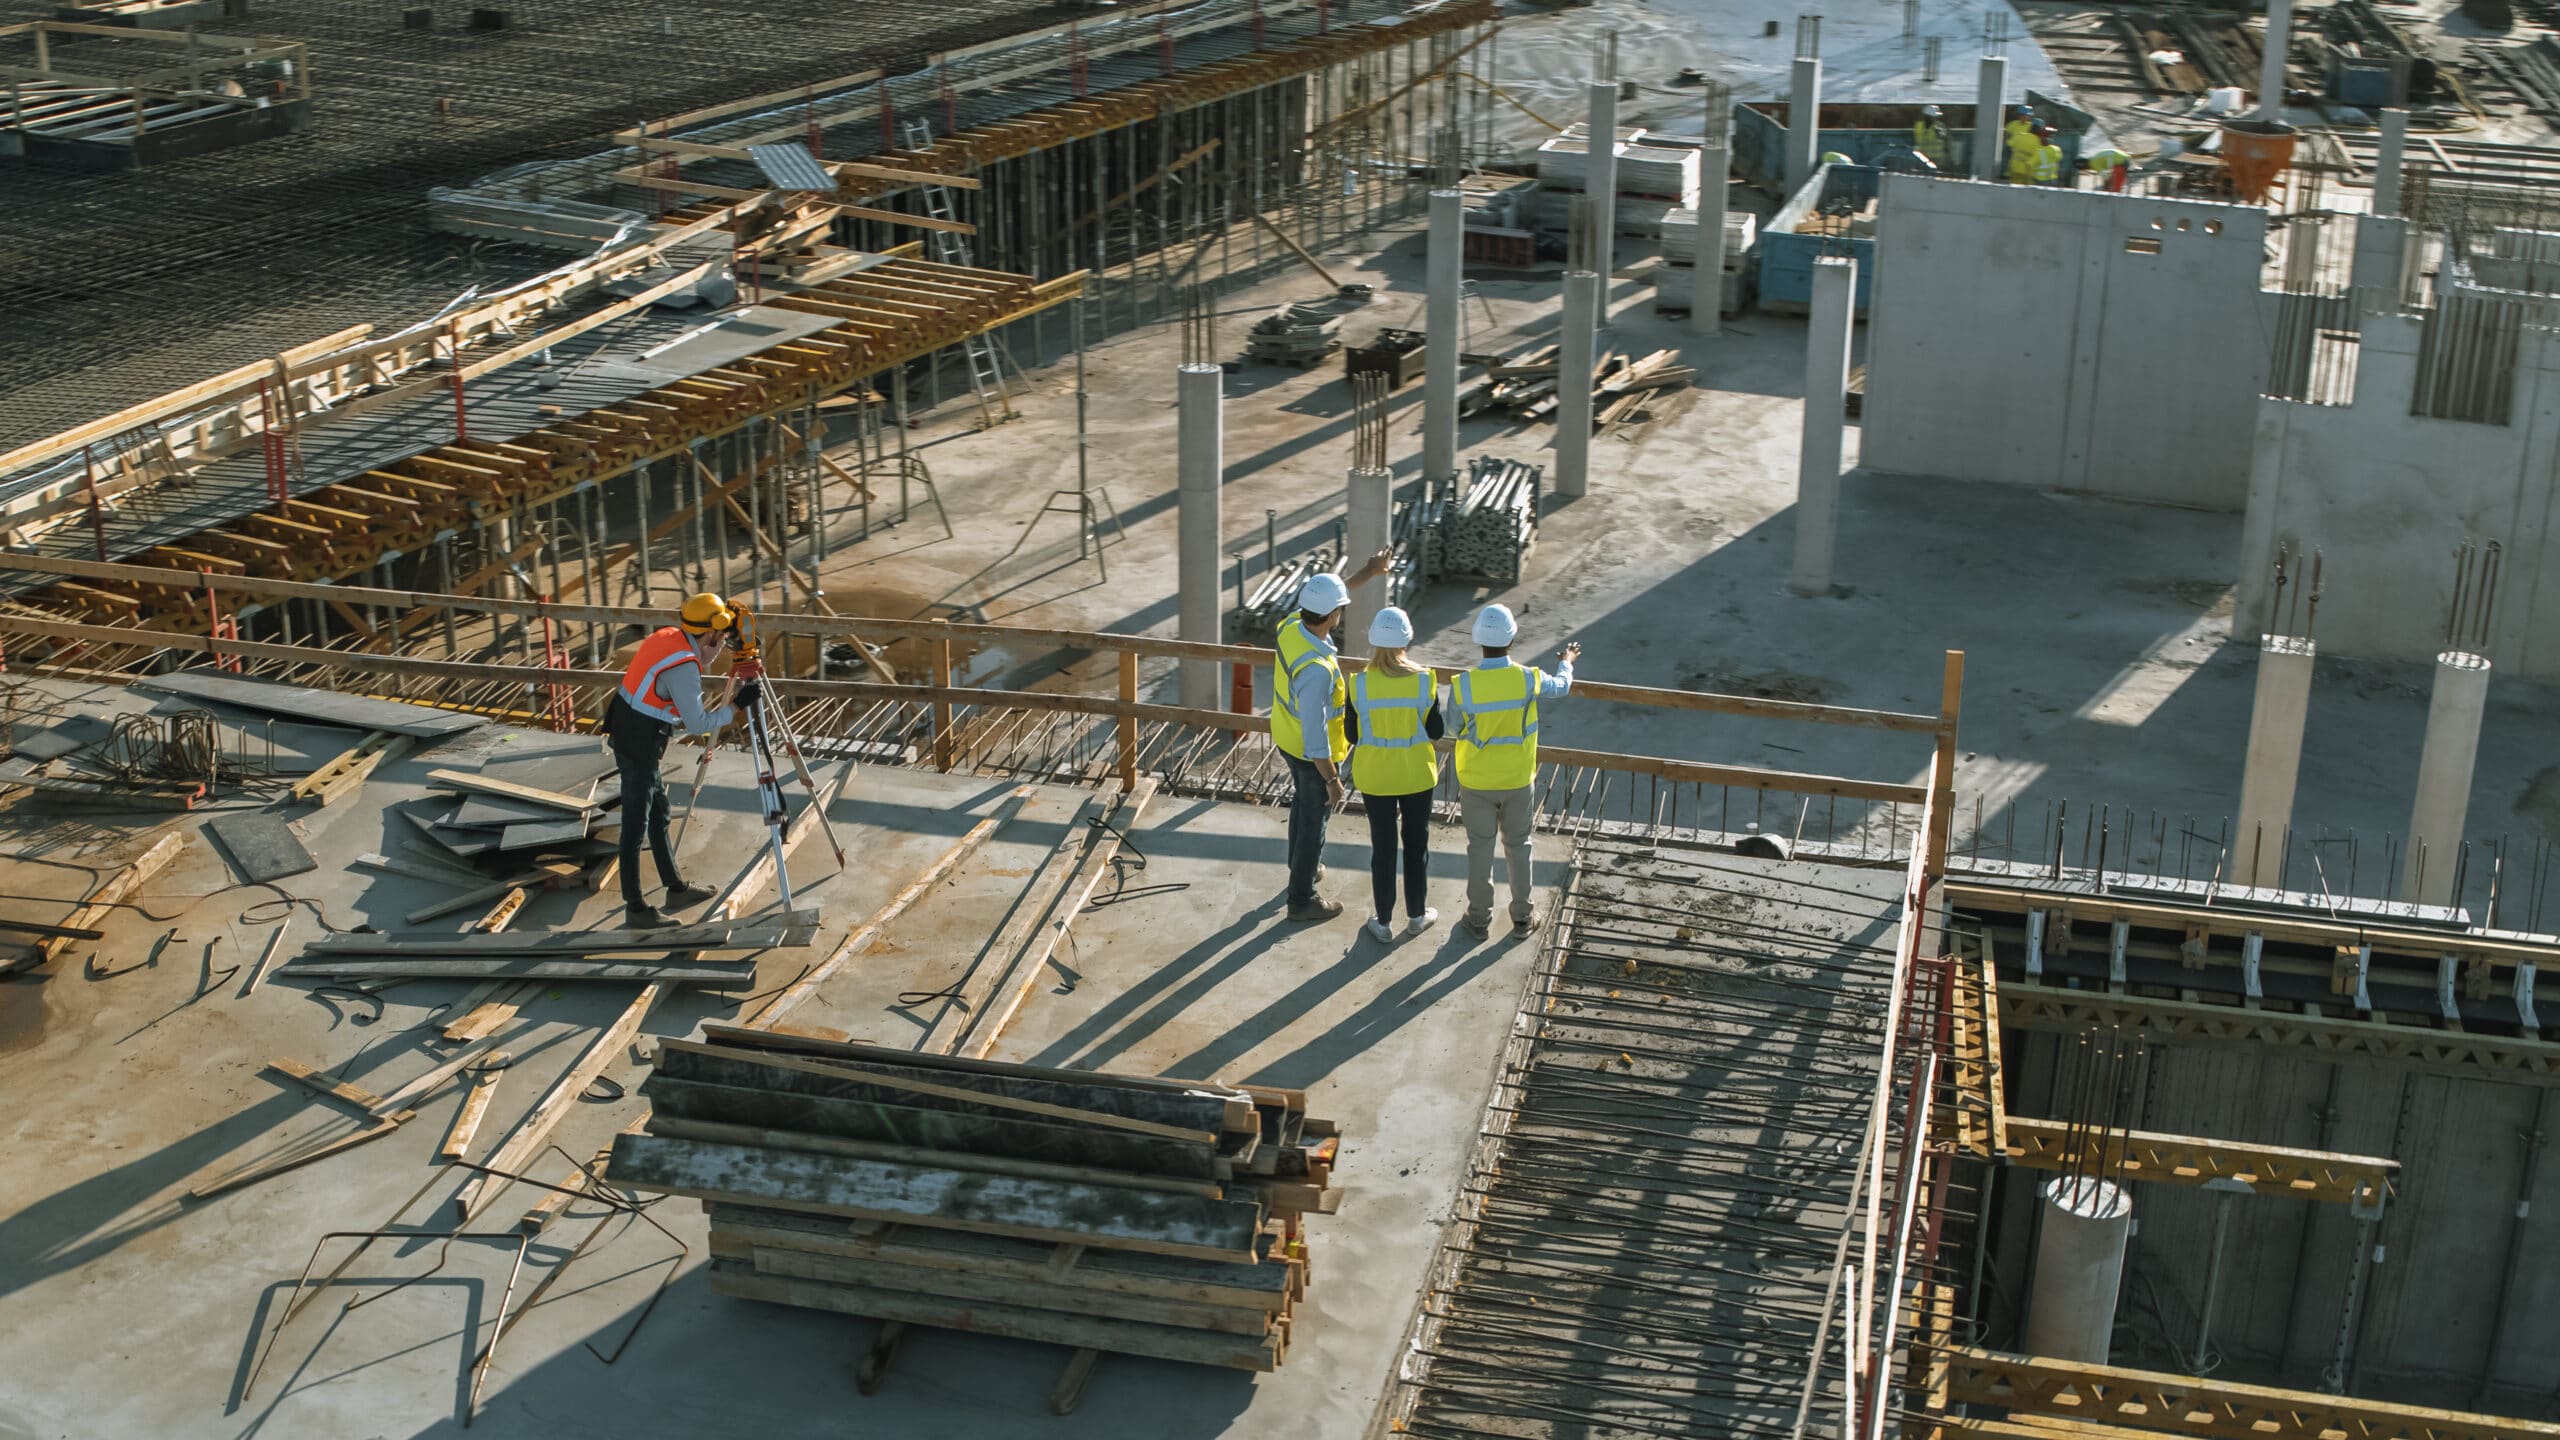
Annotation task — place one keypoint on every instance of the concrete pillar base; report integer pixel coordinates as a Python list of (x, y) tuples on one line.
[(2071, 1302), (2444, 776), (2274, 760), (1826, 398), (1200, 450)]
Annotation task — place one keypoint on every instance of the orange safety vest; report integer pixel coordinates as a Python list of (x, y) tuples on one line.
[(662, 651)]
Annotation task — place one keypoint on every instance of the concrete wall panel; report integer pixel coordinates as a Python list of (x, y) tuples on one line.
[(2065, 340), (2388, 497)]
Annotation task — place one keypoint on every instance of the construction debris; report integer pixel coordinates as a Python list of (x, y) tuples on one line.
[(1297, 334), (1103, 1212)]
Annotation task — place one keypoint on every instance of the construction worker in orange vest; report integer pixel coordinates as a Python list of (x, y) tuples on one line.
[(660, 690)]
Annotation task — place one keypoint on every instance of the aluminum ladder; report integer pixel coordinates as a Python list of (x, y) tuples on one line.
[(951, 247)]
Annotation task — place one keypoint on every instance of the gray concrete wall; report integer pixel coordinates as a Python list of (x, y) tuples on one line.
[(2388, 497), (2065, 340)]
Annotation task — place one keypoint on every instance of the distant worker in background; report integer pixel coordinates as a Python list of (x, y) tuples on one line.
[(1834, 157), (1929, 136), (1395, 715), (1307, 695), (2110, 167), (2026, 151), (2048, 159), (2018, 139), (662, 689), (1496, 709)]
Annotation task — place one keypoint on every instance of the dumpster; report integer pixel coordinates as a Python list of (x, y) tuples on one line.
[(1867, 134), (1834, 214)]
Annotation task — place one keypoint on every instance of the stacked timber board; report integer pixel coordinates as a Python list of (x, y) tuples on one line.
[(1115, 1213)]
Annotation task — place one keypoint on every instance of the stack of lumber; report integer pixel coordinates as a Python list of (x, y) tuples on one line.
[(1525, 385), (1486, 532), (1680, 236), (1858, 224), (1105, 1212), (1296, 334), (554, 804), (554, 955)]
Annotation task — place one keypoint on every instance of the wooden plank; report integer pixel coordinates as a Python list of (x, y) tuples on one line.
[(262, 847), (267, 957), (1234, 1109), (344, 775), (251, 1174), (993, 964), (731, 1277), (469, 899), (945, 1092), (708, 974), (792, 927), (406, 1097), (703, 1088), (329, 1085), (661, 1123), (432, 874), (524, 1144), (1048, 1210), (164, 406), (869, 932), (965, 1285), (979, 1041), (484, 785), (1262, 1284), (466, 1120), (302, 703)]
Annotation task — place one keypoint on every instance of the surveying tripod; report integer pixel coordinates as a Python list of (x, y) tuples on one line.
[(765, 722)]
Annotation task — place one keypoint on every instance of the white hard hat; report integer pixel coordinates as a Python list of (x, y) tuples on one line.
[(1391, 628), (1931, 111), (1494, 625), (1323, 594)]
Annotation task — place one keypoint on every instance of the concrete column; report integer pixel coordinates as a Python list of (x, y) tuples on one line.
[(1368, 518), (1706, 273), (1600, 183), (1804, 122), (2444, 776), (2278, 41), (1444, 272), (2071, 1301), (2275, 758), (2388, 157), (1826, 400), (2380, 242), (1988, 102), (1573, 400), (1200, 451)]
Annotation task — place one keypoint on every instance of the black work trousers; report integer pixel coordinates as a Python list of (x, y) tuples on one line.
[(1398, 822), (639, 748)]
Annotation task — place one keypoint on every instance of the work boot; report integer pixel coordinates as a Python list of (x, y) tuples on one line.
[(1522, 924), (1314, 907), (681, 897), (643, 917), (1481, 929)]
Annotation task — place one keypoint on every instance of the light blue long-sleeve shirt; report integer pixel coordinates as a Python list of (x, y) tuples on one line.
[(682, 685), (1311, 696)]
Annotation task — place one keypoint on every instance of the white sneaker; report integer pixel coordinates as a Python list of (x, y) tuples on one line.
[(1424, 921), (1379, 932)]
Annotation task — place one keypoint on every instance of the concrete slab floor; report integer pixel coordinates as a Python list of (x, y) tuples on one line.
[(126, 1310), (2101, 662)]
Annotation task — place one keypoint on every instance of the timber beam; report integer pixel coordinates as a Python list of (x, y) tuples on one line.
[(2158, 1404), (2362, 1181)]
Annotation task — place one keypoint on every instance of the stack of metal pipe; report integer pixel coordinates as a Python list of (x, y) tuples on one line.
[(1485, 531)]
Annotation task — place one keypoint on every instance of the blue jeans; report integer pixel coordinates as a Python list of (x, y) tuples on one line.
[(1308, 810)]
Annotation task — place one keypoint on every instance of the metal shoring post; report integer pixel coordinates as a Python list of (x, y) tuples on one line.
[(898, 384), (2225, 1191), (444, 585), (1084, 497), (640, 503)]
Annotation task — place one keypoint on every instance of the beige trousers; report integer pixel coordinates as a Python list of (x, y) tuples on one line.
[(1487, 814)]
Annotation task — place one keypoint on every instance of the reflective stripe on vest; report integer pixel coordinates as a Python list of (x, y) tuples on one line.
[(663, 650), (2049, 163), (1497, 727), (1394, 756), (1298, 650)]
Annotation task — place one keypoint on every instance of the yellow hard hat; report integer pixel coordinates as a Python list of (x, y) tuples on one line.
[(704, 613)]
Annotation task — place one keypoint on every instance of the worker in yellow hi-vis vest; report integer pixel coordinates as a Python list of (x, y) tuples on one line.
[(1307, 695), (1395, 715), (1929, 136), (1495, 707)]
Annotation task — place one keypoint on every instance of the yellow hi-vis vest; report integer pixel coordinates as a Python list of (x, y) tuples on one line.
[(1395, 755), (2023, 159), (2048, 164), (1497, 727), (1298, 650), (1930, 139)]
